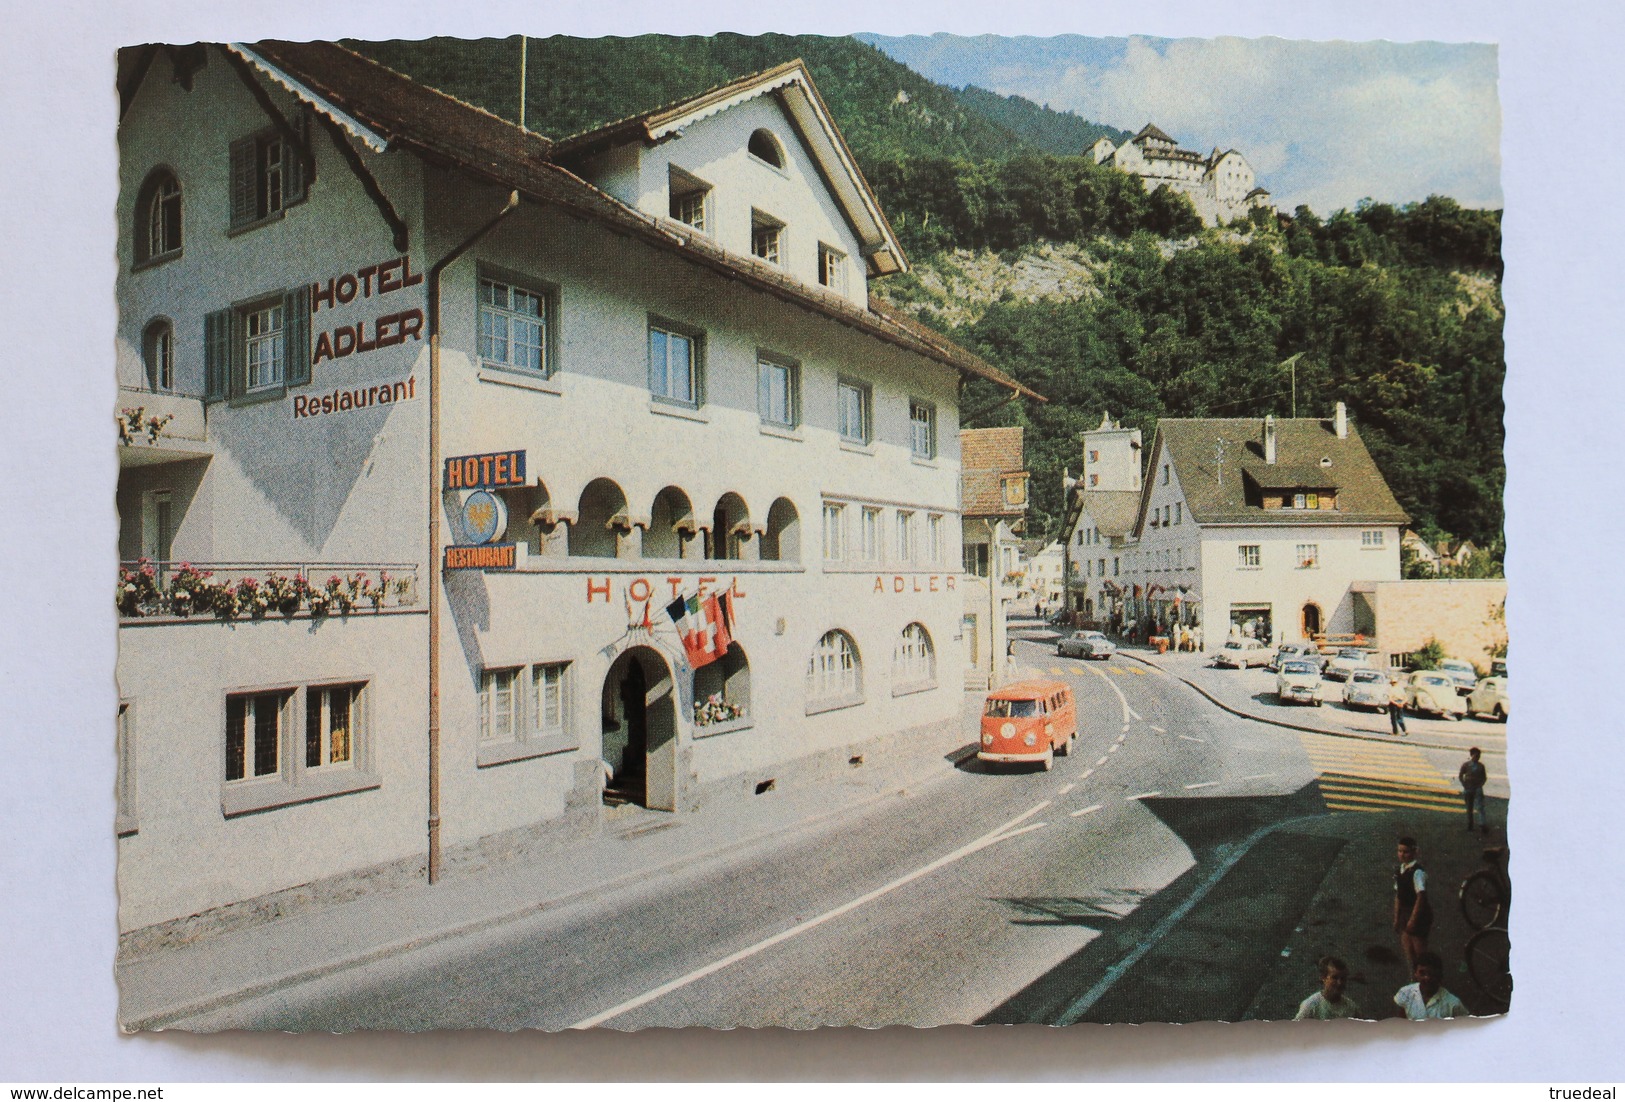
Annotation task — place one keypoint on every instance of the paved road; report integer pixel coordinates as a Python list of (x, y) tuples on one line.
[(986, 895)]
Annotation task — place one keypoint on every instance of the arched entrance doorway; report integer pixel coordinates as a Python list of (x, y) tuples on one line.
[(1311, 620), (639, 709)]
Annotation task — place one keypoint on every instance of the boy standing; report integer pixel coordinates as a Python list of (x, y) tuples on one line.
[(1413, 912), (1472, 776)]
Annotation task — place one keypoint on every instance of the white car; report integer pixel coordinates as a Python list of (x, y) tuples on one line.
[(1299, 681), (1462, 673), (1085, 644), (1307, 652), (1242, 654), (1430, 691), (1489, 698), (1346, 661), (1366, 689)]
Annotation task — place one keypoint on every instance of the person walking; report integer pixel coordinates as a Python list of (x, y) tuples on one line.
[(1427, 997), (1472, 776), (1329, 1002), (1413, 911), (1396, 708)]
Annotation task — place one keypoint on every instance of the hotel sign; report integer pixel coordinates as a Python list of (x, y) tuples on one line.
[(491, 471), (482, 516)]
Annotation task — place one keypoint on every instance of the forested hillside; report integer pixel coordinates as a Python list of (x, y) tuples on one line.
[(1075, 280)]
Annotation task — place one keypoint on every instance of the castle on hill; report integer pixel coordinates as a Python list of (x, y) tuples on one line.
[(1221, 185)]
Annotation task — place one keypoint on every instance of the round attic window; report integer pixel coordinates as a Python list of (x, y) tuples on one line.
[(764, 145), (1325, 461)]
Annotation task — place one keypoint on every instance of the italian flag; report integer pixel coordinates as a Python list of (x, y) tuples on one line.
[(705, 626)]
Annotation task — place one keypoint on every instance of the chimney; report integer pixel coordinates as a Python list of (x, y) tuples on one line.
[(1269, 438), (1340, 421)]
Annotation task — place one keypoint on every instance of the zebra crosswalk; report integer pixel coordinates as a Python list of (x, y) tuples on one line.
[(1358, 775)]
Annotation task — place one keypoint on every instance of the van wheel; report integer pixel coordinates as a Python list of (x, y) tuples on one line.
[(1500, 714), (1065, 749), (1049, 759)]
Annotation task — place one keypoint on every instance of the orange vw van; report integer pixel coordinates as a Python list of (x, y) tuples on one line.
[(1028, 721)]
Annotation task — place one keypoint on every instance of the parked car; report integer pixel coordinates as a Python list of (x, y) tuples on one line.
[(1431, 691), (1085, 644), (1346, 661), (1240, 654), (1307, 652), (1489, 698), (1299, 681), (1366, 689), (1498, 667), (1029, 721), (1461, 672)]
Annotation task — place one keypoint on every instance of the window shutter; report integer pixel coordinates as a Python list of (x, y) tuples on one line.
[(294, 181), (296, 342), (216, 354), (244, 183), (239, 356)]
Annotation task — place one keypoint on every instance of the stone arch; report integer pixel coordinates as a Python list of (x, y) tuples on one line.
[(782, 540), (532, 519), (604, 528), (728, 681), (730, 529), (672, 527), (765, 145), (640, 712)]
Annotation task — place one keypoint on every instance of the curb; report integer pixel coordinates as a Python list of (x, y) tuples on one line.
[(1388, 740)]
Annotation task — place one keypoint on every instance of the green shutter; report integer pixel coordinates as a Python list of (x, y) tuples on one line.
[(239, 356), (244, 183), (296, 339), (294, 179), (216, 354)]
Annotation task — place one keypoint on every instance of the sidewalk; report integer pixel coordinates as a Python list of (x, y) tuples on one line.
[(163, 986), (1251, 693)]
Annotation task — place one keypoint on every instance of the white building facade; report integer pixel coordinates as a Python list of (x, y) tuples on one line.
[(1221, 185), (670, 385)]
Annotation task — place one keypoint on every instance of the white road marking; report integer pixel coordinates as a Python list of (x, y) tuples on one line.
[(1086, 773), (996, 835), (1204, 784), (1157, 729), (1136, 715), (1086, 810), (1259, 777), (1127, 711), (1099, 763), (1141, 796), (1192, 738), (1065, 788), (1112, 749)]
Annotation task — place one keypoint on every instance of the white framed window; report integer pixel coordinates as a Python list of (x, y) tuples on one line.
[(766, 237), (158, 354), (1308, 556), (905, 536), (922, 429), (1300, 501), (832, 268), (1165, 475), (254, 723), (1372, 538), (869, 534), (332, 716), (267, 175), (499, 704), (547, 686), (914, 661), (834, 531), (1116, 564), (1100, 568), (853, 411), (1249, 556), (676, 367), (1179, 512), (834, 672), (778, 392), (514, 322), (689, 197), (263, 350), (933, 538), (158, 218), (976, 559)]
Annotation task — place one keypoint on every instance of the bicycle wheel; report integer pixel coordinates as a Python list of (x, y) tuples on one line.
[(1482, 902), (1489, 963)]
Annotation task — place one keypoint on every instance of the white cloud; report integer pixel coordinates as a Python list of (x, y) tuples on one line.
[(1323, 123)]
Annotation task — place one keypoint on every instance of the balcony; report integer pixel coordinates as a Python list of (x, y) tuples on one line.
[(160, 427), (149, 590)]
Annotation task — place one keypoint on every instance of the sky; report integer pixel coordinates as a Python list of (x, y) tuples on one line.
[(1324, 124)]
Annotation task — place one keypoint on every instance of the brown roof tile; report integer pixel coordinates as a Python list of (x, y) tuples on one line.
[(986, 457)]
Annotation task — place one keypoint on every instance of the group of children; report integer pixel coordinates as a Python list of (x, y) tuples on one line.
[(1425, 998)]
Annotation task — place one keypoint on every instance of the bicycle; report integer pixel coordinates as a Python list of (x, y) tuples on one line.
[(1486, 895), (1489, 963)]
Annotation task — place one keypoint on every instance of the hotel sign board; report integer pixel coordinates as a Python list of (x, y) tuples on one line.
[(481, 515), (488, 471)]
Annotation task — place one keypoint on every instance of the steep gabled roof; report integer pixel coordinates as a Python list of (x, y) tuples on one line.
[(1151, 132), (986, 458), (1113, 511), (792, 84), (449, 132), (1213, 496)]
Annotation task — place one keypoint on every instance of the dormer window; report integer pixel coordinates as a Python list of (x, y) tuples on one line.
[(688, 199), (832, 268), (766, 237), (765, 147)]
